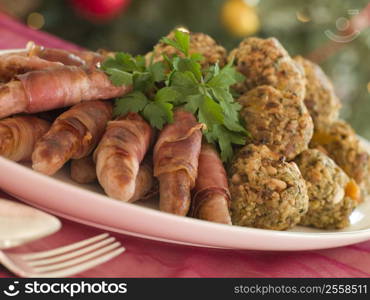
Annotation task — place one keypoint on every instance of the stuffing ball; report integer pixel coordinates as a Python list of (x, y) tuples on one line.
[(320, 98), (266, 62), (199, 43), (276, 120), (266, 191), (332, 194), (341, 143)]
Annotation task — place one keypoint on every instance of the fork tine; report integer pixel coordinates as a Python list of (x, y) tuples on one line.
[(77, 260), (79, 252), (54, 252), (82, 267)]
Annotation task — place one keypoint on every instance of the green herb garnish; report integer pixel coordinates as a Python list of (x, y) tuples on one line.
[(158, 88)]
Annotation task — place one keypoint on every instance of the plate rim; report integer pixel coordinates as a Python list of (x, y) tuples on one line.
[(362, 234)]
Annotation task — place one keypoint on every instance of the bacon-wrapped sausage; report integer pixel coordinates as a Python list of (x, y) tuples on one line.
[(17, 63), (144, 183), (79, 58), (83, 170), (211, 197), (39, 58), (51, 115), (18, 136), (119, 154), (74, 134), (52, 88), (175, 160)]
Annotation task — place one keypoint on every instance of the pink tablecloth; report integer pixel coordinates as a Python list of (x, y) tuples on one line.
[(145, 258)]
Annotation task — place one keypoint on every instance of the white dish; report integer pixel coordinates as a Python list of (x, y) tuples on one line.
[(87, 204), (21, 224)]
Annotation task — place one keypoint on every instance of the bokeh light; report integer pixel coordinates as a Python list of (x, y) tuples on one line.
[(35, 20), (302, 17)]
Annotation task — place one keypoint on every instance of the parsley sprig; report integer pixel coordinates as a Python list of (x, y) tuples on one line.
[(160, 87)]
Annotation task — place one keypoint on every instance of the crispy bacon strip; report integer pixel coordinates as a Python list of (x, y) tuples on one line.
[(211, 197), (48, 89), (176, 162), (119, 154), (18, 136), (74, 134)]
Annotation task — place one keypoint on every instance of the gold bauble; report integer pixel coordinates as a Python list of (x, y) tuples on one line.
[(240, 18)]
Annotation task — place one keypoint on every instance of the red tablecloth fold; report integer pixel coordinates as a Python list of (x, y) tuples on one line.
[(145, 258), (15, 35)]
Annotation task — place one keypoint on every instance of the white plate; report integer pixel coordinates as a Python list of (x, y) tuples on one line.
[(87, 204)]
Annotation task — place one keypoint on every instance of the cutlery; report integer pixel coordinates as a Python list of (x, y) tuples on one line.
[(64, 261)]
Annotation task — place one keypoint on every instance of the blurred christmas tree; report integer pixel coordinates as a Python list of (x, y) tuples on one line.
[(302, 26)]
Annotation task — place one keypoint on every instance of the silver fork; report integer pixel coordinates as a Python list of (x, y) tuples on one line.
[(64, 261)]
